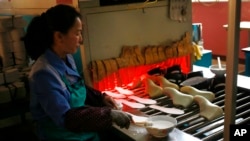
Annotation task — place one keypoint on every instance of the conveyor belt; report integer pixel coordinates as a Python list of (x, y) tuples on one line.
[(192, 123)]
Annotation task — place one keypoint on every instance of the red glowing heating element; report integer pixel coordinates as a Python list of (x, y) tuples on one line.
[(124, 76)]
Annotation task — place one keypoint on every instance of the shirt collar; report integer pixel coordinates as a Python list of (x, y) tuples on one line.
[(59, 64)]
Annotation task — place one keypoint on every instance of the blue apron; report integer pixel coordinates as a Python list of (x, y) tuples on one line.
[(77, 99)]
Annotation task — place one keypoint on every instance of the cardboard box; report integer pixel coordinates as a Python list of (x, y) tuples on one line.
[(18, 46), (5, 96), (11, 75), (6, 60), (1, 79), (16, 34), (18, 90), (5, 23), (5, 36)]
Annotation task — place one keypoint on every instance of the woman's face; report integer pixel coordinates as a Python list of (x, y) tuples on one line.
[(68, 43)]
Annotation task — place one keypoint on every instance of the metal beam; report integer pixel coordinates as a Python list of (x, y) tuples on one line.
[(232, 64)]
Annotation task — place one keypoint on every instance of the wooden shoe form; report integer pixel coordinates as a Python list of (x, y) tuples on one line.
[(194, 91), (178, 98), (208, 110)]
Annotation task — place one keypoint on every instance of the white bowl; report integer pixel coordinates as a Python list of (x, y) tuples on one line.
[(218, 71), (160, 126)]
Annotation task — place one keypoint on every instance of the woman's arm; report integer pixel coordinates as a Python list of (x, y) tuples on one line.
[(98, 99), (95, 119), (88, 119), (94, 97)]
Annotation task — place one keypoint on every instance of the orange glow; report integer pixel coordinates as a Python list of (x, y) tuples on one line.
[(124, 76)]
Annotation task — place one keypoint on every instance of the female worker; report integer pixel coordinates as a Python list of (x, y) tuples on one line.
[(63, 107)]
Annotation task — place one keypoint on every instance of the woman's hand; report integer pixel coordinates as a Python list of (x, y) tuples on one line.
[(122, 119), (110, 102)]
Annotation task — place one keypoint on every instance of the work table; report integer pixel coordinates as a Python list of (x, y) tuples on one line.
[(242, 81), (136, 133)]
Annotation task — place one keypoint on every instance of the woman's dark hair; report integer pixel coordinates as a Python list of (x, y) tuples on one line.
[(39, 35)]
